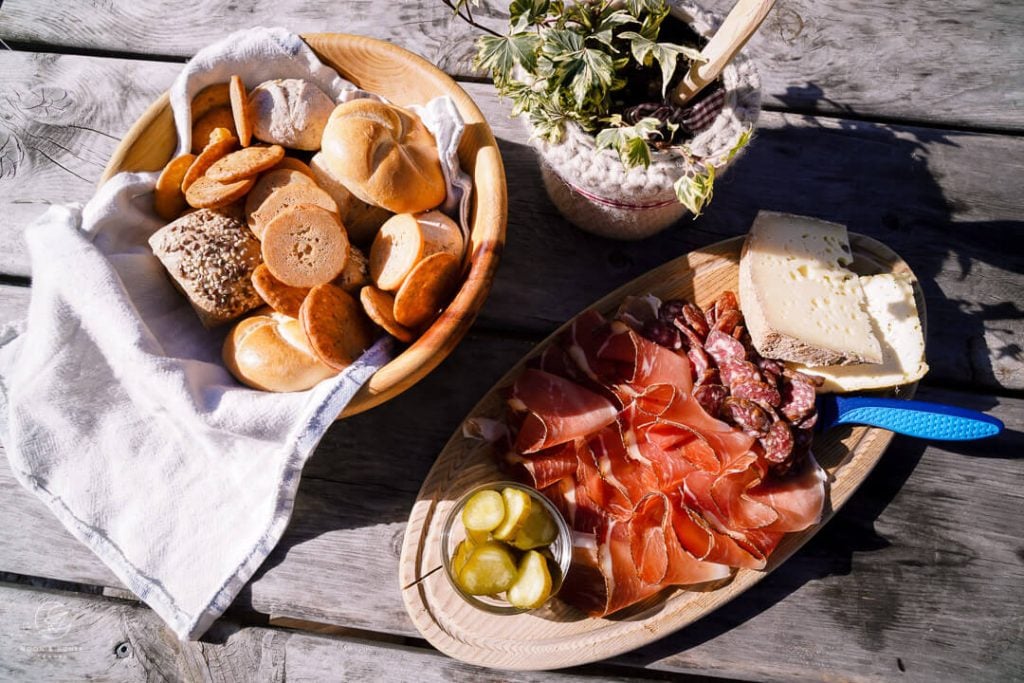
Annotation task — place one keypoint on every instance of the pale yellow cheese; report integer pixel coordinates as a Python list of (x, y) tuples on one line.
[(799, 300), (894, 317)]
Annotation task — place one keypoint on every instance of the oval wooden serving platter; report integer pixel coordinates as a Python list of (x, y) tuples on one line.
[(403, 78), (559, 635)]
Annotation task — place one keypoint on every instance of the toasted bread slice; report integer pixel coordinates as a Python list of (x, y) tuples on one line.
[(405, 240), (305, 246), (426, 289), (380, 306), (335, 325)]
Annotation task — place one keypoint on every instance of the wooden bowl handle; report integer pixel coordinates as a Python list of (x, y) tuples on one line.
[(744, 19)]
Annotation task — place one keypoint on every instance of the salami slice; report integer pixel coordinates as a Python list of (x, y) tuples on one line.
[(711, 397), (770, 369), (699, 360), (747, 415), (761, 392), (778, 442), (735, 372), (722, 347), (727, 322), (694, 317), (797, 399), (691, 339)]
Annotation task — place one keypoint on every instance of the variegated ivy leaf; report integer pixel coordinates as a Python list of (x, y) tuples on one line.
[(593, 76), (646, 50), (532, 10), (742, 141), (500, 55), (629, 141), (695, 191)]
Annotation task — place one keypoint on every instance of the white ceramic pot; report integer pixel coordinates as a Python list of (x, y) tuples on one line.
[(596, 193)]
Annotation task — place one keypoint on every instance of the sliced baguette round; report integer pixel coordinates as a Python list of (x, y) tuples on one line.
[(380, 306), (270, 351), (337, 329), (287, 197), (405, 240), (268, 183), (426, 290), (305, 246)]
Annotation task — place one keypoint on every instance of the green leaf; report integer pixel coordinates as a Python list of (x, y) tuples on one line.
[(500, 55), (666, 54), (532, 10), (593, 77), (742, 141), (629, 141), (695, 191)]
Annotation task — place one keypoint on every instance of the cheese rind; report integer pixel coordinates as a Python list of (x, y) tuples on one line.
[(799, 300), (894, 318)]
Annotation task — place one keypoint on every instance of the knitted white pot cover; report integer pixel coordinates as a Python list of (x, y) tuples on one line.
[(595, 192)]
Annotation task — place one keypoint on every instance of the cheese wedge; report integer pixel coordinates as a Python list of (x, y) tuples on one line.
[(894, 318), (799, 300)]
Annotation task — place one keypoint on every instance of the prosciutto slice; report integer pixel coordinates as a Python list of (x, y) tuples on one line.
[(658, 492), (557, 410)]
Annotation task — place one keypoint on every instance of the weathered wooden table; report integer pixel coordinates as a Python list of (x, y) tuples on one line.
[(900, 118)]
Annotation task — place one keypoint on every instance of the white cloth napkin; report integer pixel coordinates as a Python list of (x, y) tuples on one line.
[(115, 408)]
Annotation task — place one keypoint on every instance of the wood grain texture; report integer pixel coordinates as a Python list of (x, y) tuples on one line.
[(921, 191), (922, 565), (558, 635), (53, 635), (920, 60)]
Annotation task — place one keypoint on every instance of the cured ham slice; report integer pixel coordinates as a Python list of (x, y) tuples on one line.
[(798, 497), (658, 491), (557, 410)]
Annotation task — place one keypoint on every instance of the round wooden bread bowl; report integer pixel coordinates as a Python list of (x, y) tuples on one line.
[(404, 79)]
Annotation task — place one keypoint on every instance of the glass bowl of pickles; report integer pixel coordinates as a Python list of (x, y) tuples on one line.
[(506, 548)]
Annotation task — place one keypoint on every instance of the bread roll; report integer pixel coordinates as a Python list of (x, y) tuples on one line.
[(210, 258), (290, 112), (405, 240), (362, 220), (384, 155), (270, 351)]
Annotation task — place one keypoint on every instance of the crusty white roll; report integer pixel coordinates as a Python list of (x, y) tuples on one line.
[(362, 220), (384, 155), (290, 112), (269, 351)]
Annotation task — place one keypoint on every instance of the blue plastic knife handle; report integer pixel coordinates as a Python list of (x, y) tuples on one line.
[(912, 418)]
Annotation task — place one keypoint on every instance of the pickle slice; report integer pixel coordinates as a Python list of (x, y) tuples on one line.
[(484, 511), (532, 586), (462, 553), (477, 537), (517, 509), (538, 530), (489, 569)]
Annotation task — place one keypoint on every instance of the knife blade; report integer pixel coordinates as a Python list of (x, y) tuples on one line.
[(912, 418)]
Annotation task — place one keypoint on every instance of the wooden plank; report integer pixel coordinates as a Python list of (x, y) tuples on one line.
[(53, 635), (917, 60), (922, 566), (924, 192)]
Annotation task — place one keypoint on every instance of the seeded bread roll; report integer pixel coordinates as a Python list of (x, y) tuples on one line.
[(270, 352), (210, 258), (384, 155), (290, 112)]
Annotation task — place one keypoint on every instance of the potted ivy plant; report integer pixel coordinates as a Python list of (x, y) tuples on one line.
[(597, 83)]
